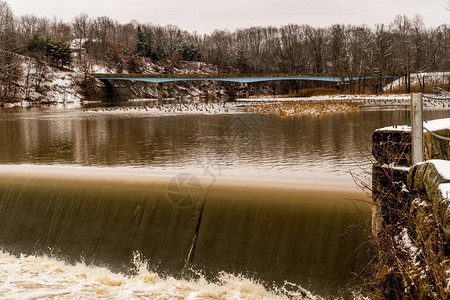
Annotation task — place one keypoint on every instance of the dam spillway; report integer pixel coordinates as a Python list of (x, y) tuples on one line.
[(104, 216), (284, 206)]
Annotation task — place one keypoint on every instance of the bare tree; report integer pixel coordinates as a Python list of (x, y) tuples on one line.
[(81, 29), (402, 28), (316, 44), (10, 66), (404, 47), (383, 46)]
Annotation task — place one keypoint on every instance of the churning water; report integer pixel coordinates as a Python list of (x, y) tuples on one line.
[(34, 277)]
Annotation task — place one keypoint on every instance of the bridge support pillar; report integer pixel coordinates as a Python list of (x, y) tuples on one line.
[(160, 92), (247, 91)]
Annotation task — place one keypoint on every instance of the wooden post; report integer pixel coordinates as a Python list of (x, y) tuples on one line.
[(247, 92), (417, 154), (160, 92)]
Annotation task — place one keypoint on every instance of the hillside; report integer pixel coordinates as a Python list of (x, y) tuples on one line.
[(42, 82), (428, 79)]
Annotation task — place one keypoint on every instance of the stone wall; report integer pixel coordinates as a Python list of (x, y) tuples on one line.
[(394, 146), (425, 180), (411, 219), (393, 173)]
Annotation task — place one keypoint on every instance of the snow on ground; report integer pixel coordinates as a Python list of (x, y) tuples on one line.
[(101, 69), (405, 241), (43, 82), (387, 97), (61, 85), (433, 78), (62, 88)]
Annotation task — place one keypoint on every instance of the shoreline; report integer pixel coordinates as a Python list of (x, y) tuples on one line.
[(335, 97), (289, 106)]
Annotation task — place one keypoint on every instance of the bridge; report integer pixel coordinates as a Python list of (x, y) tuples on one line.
[(160, 79)]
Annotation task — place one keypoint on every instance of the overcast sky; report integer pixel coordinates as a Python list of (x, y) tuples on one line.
[(206, 15)]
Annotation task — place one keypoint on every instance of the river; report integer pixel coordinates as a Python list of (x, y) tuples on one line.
[(248, 201)]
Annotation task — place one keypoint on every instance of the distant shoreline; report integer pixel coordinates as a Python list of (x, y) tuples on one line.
[(284, 106)]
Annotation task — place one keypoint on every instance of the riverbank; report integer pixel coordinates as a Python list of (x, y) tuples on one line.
[(293, 108), (314, 106), (317, 105), (411, 223)]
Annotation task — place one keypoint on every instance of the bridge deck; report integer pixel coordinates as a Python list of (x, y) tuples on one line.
[(241, 78)]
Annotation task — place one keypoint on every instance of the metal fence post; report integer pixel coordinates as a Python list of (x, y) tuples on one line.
[(417, 154)]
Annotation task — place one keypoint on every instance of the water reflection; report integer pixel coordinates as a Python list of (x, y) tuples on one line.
[(329, 144)]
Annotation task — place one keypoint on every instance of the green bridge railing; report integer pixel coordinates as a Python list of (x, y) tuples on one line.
[(240, 78)]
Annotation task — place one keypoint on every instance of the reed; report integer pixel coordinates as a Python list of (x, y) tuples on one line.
[(294, 108)]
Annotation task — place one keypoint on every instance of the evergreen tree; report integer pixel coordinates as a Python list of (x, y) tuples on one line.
[(59, 53)]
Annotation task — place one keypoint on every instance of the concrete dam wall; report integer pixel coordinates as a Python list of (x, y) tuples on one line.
[(310, 236)]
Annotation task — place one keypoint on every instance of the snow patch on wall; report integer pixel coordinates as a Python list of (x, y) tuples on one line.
[(445, 191), (434, 125), (442, 166)]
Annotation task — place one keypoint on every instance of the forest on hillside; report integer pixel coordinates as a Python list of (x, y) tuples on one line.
[(404, 46)]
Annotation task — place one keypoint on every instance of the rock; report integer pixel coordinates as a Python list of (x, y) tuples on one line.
[(425, 179)]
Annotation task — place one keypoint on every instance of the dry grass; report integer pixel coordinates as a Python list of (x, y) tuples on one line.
[(294, 108), (412, 256), (411, 246), (316, 92)]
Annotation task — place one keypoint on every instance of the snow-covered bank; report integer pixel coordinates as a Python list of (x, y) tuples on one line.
[(413, 224), (41, 82), (336, 97), (429, 78), (366, 102)]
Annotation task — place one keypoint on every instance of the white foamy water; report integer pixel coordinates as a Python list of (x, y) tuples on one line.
[(32, 277)]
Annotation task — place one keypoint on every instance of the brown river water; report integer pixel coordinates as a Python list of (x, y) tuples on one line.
[(146, 205)]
